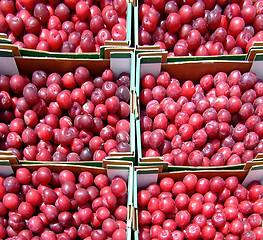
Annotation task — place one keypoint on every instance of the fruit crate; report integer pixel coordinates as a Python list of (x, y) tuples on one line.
[(183, 71), (9, 167), (120, 17), (118, 62), (143, 177), (191, 21)]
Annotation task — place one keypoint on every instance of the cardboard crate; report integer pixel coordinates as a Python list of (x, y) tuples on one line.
[(117, 61), (128, 42), (137, 24), (9, 166), (190, 70), (145, 176)]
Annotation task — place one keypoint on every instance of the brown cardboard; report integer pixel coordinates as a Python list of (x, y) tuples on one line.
[(252, 163), (258, 44), (2, 152), (260, 155), (76, 169), (184, 70), (12, 159), (27, 65), (133, 101), (8, 155), (160, 168), (118, 154), (145, 48), (152, 159), (135, 224), (179, 175), (161, 54), (114, 162), (116, 43), (108, 51), (252, 54), (194, 70), (3, 35), (13, 48)]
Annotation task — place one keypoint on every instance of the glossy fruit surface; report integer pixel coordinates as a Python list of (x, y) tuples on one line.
[(44, 204), (194, 28), (68, 117), (199, 208), (70, 26), (212, 123)]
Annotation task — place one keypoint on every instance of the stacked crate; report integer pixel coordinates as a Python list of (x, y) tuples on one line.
[(153, 159)]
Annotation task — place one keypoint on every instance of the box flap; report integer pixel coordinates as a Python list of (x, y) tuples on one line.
[(150, 167), (120, 62), (5, 40), (3, 35), (254, 162), (13, 48), (34, 53), (151, 64), (253, 52), (152, 176), (110, 162), (255, 173), (135, 219), (133, 2), (3, 152), (80, 163), (120, 154), (148, 48), (8, 64), (257, 65), (162, 54), (107, 50), (238, 57), (133, 102), (116, 170), (259, 156), (5, 168), (116, 43), (9, 156)]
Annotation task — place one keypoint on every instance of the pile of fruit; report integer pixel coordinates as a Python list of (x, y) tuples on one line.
[(73, 117), (201, 28), (48, 206), (214, 123), (67, 26), (193, 208)]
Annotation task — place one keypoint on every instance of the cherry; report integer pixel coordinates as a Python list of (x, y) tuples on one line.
[(182, 218), (35, 224), (44, 175), (54, 39), (118, 187)]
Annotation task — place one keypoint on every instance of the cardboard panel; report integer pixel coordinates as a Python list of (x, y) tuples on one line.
[(119, 62), (142, 178), (111, 172), (185, 71), (195, 70), (27, 65)]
